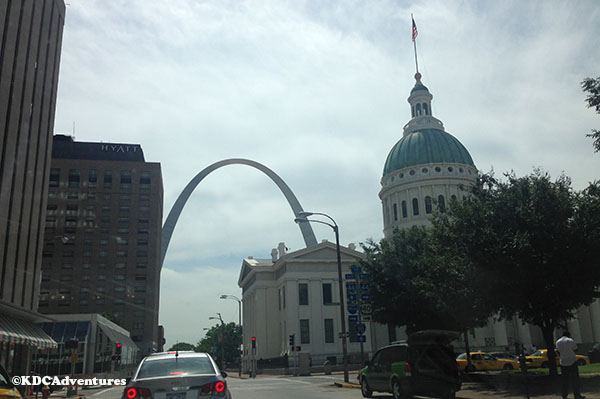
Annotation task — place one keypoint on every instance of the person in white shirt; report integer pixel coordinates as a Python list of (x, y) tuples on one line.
[(568, 365)]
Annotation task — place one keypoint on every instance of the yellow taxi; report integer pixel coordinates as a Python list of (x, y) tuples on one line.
[(481, 361), (7, 389), (539, 358)]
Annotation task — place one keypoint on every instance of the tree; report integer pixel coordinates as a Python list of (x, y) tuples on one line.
[(182, 346), (536, 242), (592, 86), (212, 342), (419, 282)]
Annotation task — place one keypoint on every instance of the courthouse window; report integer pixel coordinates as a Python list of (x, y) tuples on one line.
[(304, 331), (303, 294), (327, 297), (328, 331)]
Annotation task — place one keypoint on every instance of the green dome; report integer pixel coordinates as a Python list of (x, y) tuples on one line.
[(426, 146)]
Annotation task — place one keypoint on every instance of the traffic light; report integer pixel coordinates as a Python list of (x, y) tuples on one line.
[(118, 349), (298, 348), (253, 342), (292, 337)]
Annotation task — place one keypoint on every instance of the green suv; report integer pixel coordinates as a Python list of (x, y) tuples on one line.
[(423, 365)]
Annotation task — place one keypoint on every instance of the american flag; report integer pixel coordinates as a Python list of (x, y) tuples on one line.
[(414, 32)]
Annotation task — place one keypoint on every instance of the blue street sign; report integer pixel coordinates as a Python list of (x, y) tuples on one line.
[(365, 276), (352, 309), (351, 298), (360, 328), (353, 318), (350, 276), (365, 287), (361, 338), (365, 298), (351, 287), (356, 269)]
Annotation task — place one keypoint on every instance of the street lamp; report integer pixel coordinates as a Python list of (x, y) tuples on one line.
[(222, 339), (302, 218), (239, 301)]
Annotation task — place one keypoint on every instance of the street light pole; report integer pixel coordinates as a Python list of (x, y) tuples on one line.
[(240, 323), (303, 219), (222, 339)]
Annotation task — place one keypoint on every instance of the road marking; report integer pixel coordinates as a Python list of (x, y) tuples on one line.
[(98, 393), (303, 382)]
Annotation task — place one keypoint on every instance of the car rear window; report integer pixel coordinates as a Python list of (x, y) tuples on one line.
[(175, 366)]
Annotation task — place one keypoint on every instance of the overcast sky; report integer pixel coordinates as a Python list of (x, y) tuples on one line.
[(316, 91)]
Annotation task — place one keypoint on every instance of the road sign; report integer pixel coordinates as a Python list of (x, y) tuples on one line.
[(356, 269), (364, 287), (352, 298), (366, 308), (361, 338), (351, 287), (341, 335), (365, 276), (360, 328), (366, 317), (353, 318), (365, 298), (350, 276), (352, 309)]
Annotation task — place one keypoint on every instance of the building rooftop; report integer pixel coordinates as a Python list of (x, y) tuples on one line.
[(66, 148)]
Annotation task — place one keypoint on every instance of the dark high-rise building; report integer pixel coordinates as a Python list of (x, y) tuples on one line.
[(103, 236), (30, 47)]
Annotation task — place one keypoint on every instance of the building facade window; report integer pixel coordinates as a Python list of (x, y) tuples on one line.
[(92, 179), (74, 178), (428, 207), (415, 204), (404, 210), (304, 331), (107, 179), (54, 177), (441, 203), (327, 294), (302, 294), (329, 331), (395, 212)]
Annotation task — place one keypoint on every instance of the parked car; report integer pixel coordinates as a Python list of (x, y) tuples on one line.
[(7, 389), (505, 355), (594, 353), (423, 365), (539, 358), (483, 361), (177, 375)]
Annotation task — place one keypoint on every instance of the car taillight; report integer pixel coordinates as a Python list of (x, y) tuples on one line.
[(214, 388), (138, 393), (407, 369)]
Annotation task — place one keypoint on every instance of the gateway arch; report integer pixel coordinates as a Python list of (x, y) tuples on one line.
[(169, 226)]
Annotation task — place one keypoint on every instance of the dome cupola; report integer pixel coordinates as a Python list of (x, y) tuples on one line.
[(425, 169)]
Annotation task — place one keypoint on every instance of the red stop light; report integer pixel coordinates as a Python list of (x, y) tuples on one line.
[(253, 342)]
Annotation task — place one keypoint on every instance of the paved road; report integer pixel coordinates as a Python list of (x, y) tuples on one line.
[(321, 387)]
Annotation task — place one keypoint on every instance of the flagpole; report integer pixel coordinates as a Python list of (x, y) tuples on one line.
[(414, 39)]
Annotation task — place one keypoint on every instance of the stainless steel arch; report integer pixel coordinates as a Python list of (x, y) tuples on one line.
[(169, 226)]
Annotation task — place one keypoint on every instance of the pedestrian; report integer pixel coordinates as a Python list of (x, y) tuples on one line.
[(568, 365)]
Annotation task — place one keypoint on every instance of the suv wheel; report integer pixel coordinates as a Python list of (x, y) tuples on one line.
[(470, 369), (364, 388), (396, 390), (508, 366), (581, 362), (545, 365)]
